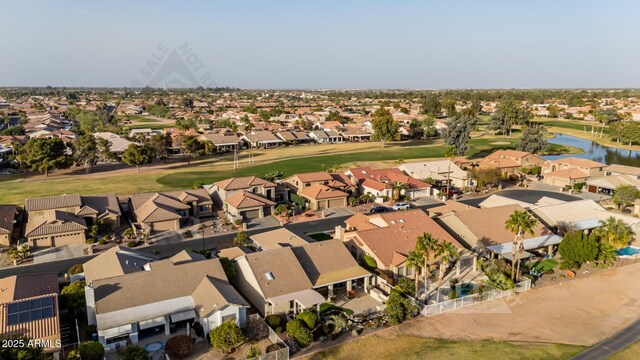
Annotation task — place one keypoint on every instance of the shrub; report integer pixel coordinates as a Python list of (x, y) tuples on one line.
[(255, 329), (579, 186), (238, 222), (385, 198), (179, 346), (308, 318), (273, 321), (453, 294), (280, 209), (75, 269), (132, 244), (293, 327), (226, 337), (133, 352), (102, 242), (91, 350), (106, 238), (304, 337), (369, 263), (577, 248), (241, 239), (91, 240), (254, 352), (405, 286), (398, 308), (74, 295), (274, 347)]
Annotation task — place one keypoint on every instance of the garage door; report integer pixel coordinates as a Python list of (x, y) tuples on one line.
[(593, 189), (251, 214), (420, 193), (336, 203)]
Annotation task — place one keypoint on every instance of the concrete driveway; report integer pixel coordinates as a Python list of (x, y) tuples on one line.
[(59, 253)]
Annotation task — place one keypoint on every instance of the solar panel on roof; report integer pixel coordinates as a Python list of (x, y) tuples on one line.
[(30, 310)]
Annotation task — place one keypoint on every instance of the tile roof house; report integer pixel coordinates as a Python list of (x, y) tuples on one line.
[(183, 292), (223, 143), (608, 184), (277, 238), (381, 182), (390, 237), (523, 158), (261, 139), (321, 197), (482, 229), (164, 210), (247, 197), (7, 222), (438, 170), (568, 171), (62, 220), (117, 144), (292, 279), (29, 307)]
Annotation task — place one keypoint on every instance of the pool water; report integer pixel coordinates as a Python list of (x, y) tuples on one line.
[(628, 251)]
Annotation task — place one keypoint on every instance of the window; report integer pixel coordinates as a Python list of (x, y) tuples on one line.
[(230, 317), (409, 271), (30, 310), (307, 184)]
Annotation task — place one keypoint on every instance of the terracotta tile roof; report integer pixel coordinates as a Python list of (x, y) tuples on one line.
[(508, 153), (314, 176), (288, 276), (52, 202), (374, 184), (498, 163), (118, 260), (397, 232), (245, 199), (568, 174), (18, 287), (623, 169), (132, 289), (327, 262), (578, 162), (320, 192), (488, 224), (239, 183), (54, 222)]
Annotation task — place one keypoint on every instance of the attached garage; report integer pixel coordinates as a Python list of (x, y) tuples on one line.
[(333, 203), (250, 214), (419, 193), (592, 189)]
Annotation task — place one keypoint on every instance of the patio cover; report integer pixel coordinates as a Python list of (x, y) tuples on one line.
[(306, 298), (116, 331), (146, 324), (586, 224), (532, 243), (183, 315)]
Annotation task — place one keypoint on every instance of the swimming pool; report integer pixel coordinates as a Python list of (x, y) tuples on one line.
[(628, 251)]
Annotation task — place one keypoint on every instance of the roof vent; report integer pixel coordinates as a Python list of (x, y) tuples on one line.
[(393, 221), (401, 220), (269, 275)]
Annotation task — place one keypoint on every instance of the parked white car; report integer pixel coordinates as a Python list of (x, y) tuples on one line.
[(401, 206)]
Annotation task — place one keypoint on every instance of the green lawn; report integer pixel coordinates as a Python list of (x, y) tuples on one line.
[(477, 148), (409, 347), (567, 124), (320, 236), (150, 125), (15, 190), (544, 265), (556, 149)]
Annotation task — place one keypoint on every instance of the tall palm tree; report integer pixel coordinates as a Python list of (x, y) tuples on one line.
[(446, 251), (398, 186), (450, 154), (414, 260), (519, 223), (426, 246), (615, 233)]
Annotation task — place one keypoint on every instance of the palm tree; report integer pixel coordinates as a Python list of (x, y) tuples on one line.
[(519, 223), (398, 186), (450, 154), (426, 245), (615, 233), (415, 260), (446, 251)]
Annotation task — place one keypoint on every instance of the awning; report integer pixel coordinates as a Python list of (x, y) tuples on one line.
[(116, 331), (306, 298), (147, 324), (529, 244), (183, 315), (586, 224)]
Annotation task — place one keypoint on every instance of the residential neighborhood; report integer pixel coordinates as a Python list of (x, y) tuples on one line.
[(319, 180)]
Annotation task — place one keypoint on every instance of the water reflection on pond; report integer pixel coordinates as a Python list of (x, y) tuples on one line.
[(594, 151)]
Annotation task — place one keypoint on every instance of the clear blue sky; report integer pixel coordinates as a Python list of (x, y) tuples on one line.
[(325, 44)]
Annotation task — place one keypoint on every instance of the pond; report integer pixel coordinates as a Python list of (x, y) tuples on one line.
[(594, 151)]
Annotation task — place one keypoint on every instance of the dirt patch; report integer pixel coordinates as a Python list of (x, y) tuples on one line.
[(500, 143), (582, 312)]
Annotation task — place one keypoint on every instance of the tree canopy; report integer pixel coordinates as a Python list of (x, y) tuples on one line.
[(136, 155), (458, 132), (44, 154), (532, 139), (384, 126)]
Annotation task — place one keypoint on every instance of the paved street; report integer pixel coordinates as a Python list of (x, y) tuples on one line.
[(612, 345)]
